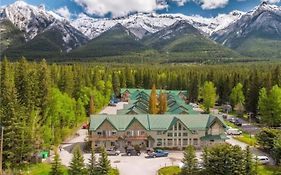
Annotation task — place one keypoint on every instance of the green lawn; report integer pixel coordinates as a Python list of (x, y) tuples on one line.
[(41, 169), (246, 138), (169, 170), (44, 169), (269, 170), (262, 170)]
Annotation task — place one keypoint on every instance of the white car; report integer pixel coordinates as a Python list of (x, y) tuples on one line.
[(263, 159), (233, 131)]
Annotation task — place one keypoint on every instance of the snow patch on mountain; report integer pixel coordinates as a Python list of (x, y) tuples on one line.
[(264, 18), (34, 20), (142, 24)]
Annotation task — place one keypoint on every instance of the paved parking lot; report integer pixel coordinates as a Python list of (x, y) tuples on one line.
[(113, 109), (139, 165)]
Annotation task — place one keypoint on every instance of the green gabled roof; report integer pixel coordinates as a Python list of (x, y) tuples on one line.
[(213, 118), (173, 101), (138, 110), (147, 91), (141, 106), (152, 122), (178, 111)]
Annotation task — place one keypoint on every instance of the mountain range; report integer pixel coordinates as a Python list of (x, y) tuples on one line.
[(34, 32)]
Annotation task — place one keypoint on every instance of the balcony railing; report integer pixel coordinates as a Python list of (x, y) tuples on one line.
[(116, 137), (104, 137)]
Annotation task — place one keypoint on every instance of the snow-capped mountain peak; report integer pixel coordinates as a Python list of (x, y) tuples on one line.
[(34, 20), (28, 18), (141, 24)]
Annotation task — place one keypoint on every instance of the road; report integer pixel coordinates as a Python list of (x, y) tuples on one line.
[(65, 153)]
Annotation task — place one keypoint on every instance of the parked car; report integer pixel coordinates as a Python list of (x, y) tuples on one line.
[(85, 126), (233, 131), (133, 152), (232, 120), (263, 159), (112, 104), (149, 150), (238, 122), (158, 153), (112, 152)]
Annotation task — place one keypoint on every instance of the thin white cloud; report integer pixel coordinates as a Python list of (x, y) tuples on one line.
[(271, 1), (64, 12), (123, 7), (213, 4), (118, 8), (180, 2), (205, 4)]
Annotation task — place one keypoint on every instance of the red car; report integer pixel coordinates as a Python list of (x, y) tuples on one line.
[(85, 126)]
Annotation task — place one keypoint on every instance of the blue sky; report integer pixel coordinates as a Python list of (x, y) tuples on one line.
[(117, 8)]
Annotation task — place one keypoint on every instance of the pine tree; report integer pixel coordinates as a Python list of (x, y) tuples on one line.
[(21, 83), (249, 170), (162, 103), (12, 118), (92, 106), (253, 93), (44, 88), (104, 163), (77, 166), (92, 167), (277, 76), (116, 84), (189, 161), (153, 101), (56, 166)]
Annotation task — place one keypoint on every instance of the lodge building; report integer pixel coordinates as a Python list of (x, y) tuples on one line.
[(149, 131)]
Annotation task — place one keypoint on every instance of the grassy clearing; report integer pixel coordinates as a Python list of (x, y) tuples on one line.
[(41, 169), (262, 170), (246, 138), (45, 169), (269, 170), (169, 170)]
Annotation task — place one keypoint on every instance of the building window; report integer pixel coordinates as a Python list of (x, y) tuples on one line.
[(185, 134), (184, 142), (159, 132), (170, 134), (99, 133), (170, 142), (179, 126), (142, 133), (175, 127), (179, 134), (113, 133), (195, 141), (175, 134), (159, 142), (129, 133)]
